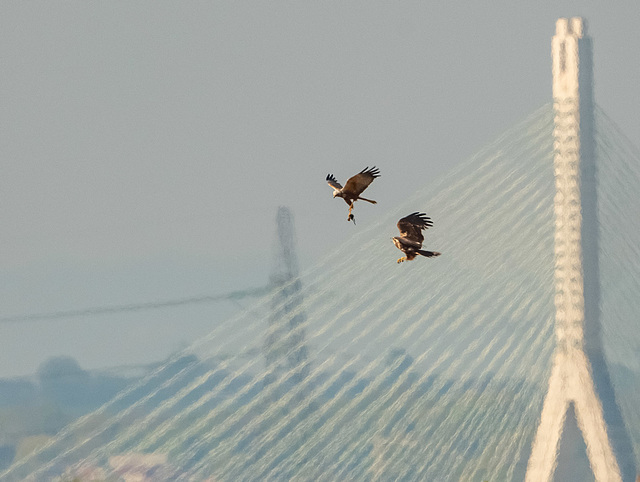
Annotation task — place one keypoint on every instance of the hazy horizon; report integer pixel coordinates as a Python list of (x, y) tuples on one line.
[(146, 146)]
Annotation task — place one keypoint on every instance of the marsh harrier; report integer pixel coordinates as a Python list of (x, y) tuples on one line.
[(410, 239), (354, 187)]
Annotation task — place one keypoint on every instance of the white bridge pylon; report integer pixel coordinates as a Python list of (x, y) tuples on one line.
[(571, 380)]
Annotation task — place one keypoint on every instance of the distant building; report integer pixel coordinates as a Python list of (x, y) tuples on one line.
[(140, 467)]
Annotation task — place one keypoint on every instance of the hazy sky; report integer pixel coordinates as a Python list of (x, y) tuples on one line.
[(146, 146)]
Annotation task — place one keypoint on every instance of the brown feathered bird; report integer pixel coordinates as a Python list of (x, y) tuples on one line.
[(354, 187), (410, 239)]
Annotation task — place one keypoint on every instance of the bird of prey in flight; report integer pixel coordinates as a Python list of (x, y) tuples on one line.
[(411, 237), (354, 187)]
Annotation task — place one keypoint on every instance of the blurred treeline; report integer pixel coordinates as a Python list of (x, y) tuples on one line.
[(33, 409)]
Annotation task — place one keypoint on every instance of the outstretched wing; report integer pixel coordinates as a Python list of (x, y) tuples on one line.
[(333, 182), (411, 226), (358, 183)]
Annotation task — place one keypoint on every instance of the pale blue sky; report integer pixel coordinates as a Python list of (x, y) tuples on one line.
[(146, 146)]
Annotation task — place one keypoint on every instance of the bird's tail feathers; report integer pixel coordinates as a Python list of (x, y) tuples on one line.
[(428, 254), (368, 200)]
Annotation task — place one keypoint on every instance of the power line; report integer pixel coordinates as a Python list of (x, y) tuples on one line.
[(101, 310)]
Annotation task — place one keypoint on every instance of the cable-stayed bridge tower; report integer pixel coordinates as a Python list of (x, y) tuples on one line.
[(579, 377)]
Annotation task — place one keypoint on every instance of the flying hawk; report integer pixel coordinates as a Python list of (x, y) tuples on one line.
[(410, 239), (354, 187)]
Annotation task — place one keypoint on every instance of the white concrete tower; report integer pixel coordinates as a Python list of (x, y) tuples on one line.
[(579, 376)]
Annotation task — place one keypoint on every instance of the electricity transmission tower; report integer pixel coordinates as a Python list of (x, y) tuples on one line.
[(284, 348)]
